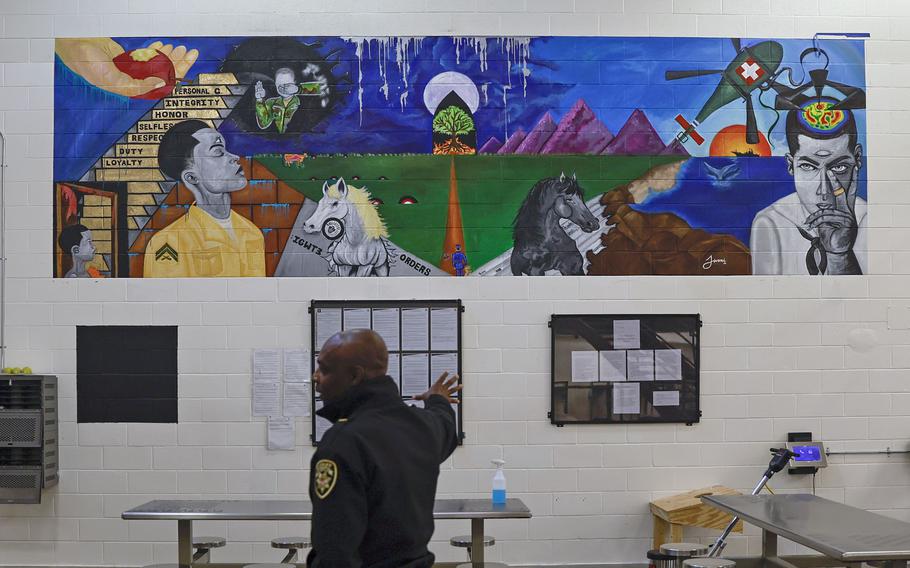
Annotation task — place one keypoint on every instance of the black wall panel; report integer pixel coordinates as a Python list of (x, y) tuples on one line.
[(126, 373)]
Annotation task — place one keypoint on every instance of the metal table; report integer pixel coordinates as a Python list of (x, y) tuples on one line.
[(846, 535), (187, 511)]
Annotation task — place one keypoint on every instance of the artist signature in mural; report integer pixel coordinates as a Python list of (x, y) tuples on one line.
[(711, 261)]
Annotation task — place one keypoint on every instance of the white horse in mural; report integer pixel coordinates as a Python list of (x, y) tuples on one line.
[(360, 251)]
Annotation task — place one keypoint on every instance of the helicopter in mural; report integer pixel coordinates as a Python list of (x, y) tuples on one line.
[(757, 67), (754, 67)]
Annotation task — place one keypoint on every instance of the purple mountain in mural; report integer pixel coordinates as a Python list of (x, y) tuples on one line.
[(579, 132), (513, 142), (491, 146), (538, 136), (637, 136), (675, 148)]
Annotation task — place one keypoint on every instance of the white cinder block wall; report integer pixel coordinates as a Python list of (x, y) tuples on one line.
[(778, 353)]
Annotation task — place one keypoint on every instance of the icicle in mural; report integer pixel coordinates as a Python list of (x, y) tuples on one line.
[(458, 156)]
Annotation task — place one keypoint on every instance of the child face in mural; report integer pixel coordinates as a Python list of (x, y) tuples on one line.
[(213, 168), (825, 173), (86, 249)]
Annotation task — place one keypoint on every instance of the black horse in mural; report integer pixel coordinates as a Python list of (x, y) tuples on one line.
[(541, 244)]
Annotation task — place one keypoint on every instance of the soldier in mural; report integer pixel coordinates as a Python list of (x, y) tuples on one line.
[(280, 110), (210, 239), (76, 241), (301, 76), (820, 228), (453, 136)]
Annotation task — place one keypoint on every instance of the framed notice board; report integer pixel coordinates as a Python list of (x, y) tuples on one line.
[(624, 368), (423, 338)]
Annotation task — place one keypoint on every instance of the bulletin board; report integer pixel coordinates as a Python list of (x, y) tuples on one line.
[(423, 338), (626, 368)]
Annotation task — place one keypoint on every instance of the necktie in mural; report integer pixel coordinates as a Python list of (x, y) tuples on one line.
[(442, 156)]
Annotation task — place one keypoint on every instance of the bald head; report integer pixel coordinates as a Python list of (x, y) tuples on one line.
[(362, 348), (347, 359)]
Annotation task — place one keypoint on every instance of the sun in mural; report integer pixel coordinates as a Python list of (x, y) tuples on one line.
[(731, 141)]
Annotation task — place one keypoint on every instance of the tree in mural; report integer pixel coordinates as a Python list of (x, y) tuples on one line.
[(453, 122)]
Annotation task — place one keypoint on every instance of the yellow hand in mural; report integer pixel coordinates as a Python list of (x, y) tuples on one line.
[(179, 56), (147, 73)]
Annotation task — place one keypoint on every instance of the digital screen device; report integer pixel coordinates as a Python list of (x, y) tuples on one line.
[(808, 454)]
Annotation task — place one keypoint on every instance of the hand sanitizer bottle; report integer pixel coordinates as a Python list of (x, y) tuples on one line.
[(499, 483)]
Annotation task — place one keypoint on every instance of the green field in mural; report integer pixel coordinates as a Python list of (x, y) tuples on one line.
[(436, 156), (490, 190)]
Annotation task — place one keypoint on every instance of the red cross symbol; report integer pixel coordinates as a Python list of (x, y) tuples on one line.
[(751, 71)]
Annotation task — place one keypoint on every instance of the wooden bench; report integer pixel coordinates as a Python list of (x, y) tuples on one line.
[(673, 513)]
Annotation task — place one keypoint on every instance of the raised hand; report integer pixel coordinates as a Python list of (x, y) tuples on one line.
[(446, 386), (260, 91), (836, 224)]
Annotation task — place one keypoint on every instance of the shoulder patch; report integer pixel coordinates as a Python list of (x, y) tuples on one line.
[(324, 478), (166, 252)]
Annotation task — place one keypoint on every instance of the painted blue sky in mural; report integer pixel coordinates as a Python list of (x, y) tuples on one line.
[(380, 106)]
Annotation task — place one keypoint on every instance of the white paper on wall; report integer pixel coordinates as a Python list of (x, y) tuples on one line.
[(627, 334), (626, 398), (584, 366), (266, 398), (444, 329), (668, 364), (281, 433), (415, 329), (612, 366), (641, 364), (386, 322)]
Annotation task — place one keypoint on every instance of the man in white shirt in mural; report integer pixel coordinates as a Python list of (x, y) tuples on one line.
[(821, 228)]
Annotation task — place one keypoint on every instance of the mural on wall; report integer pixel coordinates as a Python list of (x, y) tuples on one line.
[(454, 156)]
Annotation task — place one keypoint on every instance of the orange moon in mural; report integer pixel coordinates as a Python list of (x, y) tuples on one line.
[(731, 141)]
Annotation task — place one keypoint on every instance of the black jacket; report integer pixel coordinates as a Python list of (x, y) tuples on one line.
[(373, 478)]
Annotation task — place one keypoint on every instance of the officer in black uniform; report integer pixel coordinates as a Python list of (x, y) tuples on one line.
[(373, 476)]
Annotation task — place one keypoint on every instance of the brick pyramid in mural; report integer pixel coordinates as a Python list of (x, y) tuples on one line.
[(133, 159), (154, 202)]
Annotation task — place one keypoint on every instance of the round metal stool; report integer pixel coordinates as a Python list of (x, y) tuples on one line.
[(464, 541), (683, 551), (709, 563), (485, 565), (204, 545), (293, 544), (657, 559)]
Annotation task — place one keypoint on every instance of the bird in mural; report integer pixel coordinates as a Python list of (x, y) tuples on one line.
[(723, 176)]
